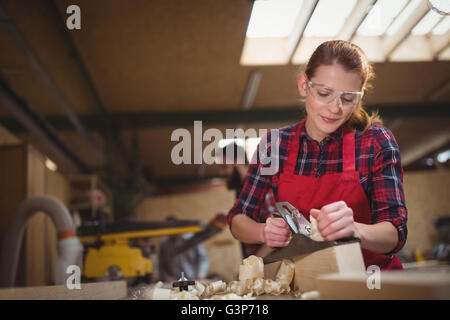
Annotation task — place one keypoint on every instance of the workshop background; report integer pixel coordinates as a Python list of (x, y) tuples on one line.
[(91, 111)]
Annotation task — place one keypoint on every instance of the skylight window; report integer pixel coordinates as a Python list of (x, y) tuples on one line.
[(380, 17), (328, 18), (401, 19), (273, 18), (443, 27), (427, 23)]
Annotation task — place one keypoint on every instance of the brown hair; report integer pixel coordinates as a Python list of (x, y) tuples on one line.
[(352, 58)]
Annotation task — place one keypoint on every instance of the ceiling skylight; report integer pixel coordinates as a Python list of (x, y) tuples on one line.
[(443, 27), (404, 15), (288, 31), (328, 18), (427, 23), (273, 18), (380, 17)]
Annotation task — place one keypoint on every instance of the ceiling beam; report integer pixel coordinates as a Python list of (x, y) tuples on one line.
[(9, 27), (425, 145), (251, 89), (25, 117), (391, 43), (302, 21), (438, 92), (229, 117), (110, 133), (359, 13)]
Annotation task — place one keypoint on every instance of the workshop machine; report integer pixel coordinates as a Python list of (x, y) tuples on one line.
[(111, 252)]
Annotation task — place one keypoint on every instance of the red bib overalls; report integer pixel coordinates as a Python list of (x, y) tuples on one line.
[(306, 192)]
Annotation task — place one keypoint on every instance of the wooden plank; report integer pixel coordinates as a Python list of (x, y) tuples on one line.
[(339, 259), (12, 192), (111, 290), (37, 260), (393, 285)]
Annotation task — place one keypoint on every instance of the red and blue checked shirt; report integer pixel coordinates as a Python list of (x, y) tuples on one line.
[(266, 209), (377, 161)]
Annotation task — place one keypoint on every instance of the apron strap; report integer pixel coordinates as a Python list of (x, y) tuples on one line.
[(348, 151), (292, 151)]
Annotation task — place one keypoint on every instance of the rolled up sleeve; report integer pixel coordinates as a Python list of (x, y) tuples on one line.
[(255, 187), (387, 196)]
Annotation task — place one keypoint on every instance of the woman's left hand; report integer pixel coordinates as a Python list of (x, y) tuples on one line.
[(335, 221)]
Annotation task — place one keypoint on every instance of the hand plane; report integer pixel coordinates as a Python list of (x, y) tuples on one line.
[(300, 243)]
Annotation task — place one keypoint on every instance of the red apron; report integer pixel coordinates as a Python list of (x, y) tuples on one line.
[(307, 192)]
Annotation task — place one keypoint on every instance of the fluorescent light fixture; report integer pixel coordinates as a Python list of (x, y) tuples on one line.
[(50, 165), (426, 24), (380, 17), (443, 27), (328, 18), (273, 18), (250, 145), (224, 142), (443, 156), (404, 15)]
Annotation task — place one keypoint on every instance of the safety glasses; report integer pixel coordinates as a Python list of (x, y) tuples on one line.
[(326, 95)]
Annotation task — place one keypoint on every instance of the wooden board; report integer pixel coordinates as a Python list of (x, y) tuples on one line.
[(111, 290), (37, 263), (393, 285), (339, 259)]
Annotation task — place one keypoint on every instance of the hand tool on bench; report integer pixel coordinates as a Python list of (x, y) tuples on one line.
[(300, 243), (183, 283)]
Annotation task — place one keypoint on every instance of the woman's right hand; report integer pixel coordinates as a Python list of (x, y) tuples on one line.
[(276, 232)]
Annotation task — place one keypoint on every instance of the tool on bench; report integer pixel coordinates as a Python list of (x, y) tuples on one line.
[(183, 283)]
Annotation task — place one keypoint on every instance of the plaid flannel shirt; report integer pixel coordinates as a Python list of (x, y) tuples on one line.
[(267, 208), (377, 161)]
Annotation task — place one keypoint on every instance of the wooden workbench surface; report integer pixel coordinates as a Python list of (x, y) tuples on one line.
[(110, 290)]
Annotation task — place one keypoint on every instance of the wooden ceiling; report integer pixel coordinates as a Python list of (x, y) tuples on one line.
[(172, 56)]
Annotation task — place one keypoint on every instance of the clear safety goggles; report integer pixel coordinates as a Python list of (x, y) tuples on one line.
[(326, 95)]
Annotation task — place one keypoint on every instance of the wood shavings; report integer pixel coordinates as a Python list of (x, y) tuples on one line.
[(251, 268), (232, 286), (214, 288), (258, 286), (157, 292), (244, 287), (231, 296), (183, 295), (198, 289), (310, 295), (272, 287), (286, 272), (315, 234), (251, 283)]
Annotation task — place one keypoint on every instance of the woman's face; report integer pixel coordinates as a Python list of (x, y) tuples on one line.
[(325, 118)]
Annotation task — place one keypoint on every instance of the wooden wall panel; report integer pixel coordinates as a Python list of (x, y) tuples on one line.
[(12, 186), (7, 137), (427, 196), (35, 234)]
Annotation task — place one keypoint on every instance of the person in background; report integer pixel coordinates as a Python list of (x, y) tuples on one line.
[(339, 165), (193, 262), (235, 169)]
